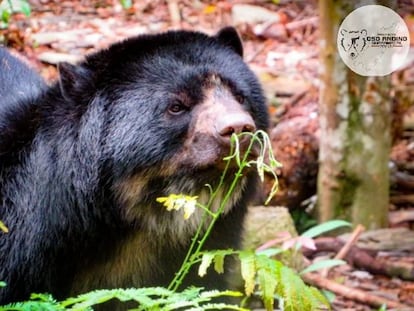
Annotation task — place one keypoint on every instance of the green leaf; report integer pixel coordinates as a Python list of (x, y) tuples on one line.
[(5, 16), (25, 7), (248, 270), (267, 284), (328, 295), (317, 299), (219, 263), (323, 264), (206, 261), (268, 272), (2, 284), (126, 4), (325, 227), (270, 252), (291, 292)]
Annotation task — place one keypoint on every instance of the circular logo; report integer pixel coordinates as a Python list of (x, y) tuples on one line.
[(373, 40)]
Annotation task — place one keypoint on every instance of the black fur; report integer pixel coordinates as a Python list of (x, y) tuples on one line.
[(19, 86), (83, 162)]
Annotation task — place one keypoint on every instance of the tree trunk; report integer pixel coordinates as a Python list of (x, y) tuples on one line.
[(353, 180)]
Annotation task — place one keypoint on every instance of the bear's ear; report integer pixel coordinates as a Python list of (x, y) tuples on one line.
[(74, 80), (229, 37)]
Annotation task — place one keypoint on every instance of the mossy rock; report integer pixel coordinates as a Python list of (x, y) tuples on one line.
[(266, 223)]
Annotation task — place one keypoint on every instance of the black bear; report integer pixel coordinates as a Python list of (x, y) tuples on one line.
[(84, 160)]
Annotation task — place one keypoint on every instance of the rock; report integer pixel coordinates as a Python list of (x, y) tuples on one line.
[(264, 224), (251, 14), (389, 239)]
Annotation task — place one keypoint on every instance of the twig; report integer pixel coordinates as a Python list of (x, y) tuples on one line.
[(263, 47), (351, 241), (346, 247), (302, 23), (353, 294)]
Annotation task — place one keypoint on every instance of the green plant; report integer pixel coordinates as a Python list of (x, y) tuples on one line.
[(258, 270), (306, 240), (210, 217), (126, 4), (148, 298), (262, 275), (8, 7), (302, 219)]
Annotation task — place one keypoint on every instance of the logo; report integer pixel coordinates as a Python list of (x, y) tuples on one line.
[(373, 40), (353, 42)]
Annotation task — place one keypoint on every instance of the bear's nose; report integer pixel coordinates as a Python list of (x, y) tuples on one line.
[(234, 123)]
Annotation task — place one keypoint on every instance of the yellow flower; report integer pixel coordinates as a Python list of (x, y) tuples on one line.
[(179, 201), (189, 207)]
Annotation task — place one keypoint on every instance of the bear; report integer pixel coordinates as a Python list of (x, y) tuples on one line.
[(19, 85), (85, 159), (18, 81)]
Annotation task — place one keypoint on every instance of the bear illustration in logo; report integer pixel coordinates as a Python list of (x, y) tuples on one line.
[(353, 42)]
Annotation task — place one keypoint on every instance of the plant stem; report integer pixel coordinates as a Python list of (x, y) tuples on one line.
[(192, 255)]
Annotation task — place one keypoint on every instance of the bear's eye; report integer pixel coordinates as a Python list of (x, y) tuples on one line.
[(240, 99), (177, 108)]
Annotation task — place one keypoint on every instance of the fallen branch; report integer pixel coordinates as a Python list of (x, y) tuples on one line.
[(353, 294), (403, 180), (398, 217), (402, 199), (362, 259)]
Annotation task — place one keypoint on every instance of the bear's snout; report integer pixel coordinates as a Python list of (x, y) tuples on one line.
[(234, 123)]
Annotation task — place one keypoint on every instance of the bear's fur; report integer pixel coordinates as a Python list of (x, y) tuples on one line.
[(83, 161)]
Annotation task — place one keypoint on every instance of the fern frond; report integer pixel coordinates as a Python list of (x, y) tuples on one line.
[(268, 273), (140, 295), (218, 306), (219, 263), (38, 302), (248, 270), (292, 290), (206, 261)]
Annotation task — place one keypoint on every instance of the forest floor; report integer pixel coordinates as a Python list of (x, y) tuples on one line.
[(281, 46)]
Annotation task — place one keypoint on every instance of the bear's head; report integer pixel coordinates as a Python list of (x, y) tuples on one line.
[(353, 42), (171, 103)]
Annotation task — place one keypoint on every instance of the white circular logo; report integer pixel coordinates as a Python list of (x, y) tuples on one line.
[(373, 40)]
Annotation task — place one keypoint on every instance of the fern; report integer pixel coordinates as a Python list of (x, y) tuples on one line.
[(272, 279), (38, 302), (150, 298), (268, 279)]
